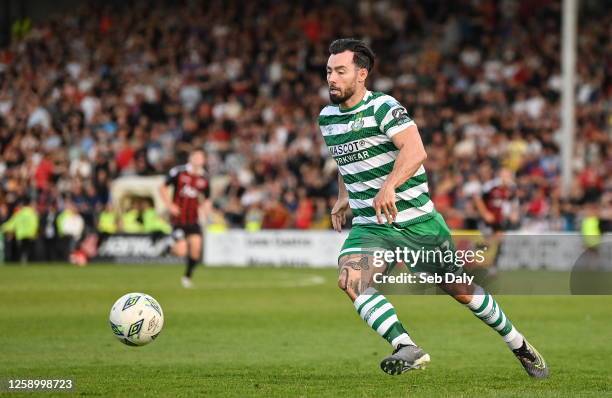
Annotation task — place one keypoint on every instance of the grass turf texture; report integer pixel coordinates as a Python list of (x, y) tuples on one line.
[(283, 332)]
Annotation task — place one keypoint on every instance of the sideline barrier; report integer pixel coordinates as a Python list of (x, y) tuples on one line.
[(273, 247), (318, 249), (554, 251), (134, 249)]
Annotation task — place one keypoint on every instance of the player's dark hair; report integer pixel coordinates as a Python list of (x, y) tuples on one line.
[(363, 56)]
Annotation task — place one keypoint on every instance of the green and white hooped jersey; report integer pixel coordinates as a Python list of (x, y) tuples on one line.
[(359, 140)]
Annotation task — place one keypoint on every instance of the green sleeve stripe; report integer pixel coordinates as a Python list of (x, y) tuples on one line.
[(381, 112), (401, 206), (394, 123), (370, 193)]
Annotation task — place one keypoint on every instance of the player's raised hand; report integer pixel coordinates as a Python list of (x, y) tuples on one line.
[(338, 213), (384, 203)]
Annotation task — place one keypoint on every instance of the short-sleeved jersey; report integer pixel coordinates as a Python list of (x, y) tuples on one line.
[(359, 140), (188, 189)]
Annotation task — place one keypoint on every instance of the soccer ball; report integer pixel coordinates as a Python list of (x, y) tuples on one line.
[(136, 319)]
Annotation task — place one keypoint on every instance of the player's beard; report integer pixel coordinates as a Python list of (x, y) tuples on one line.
[(342, 96)]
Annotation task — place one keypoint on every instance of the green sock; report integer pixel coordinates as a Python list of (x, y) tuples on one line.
[(380, 315)]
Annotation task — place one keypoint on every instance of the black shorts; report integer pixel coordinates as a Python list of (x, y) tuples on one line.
[(180, 232), (494, 227)]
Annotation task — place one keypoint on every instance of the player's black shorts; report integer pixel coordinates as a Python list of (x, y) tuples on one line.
[(494, 227), (182, 231)]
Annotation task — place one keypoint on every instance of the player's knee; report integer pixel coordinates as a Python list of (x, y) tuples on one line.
[(195, 239), (460, 292), (195, 254), (463, 298), (180, 249), (196, 246), (349, 277), (349, 285), (343, 279)]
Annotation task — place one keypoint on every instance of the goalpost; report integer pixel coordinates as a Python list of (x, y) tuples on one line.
[(568, 70)]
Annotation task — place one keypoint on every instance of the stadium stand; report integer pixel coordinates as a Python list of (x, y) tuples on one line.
[(95, 94)]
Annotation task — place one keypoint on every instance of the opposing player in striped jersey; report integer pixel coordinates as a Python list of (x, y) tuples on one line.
[(189, 200), (382, 179)]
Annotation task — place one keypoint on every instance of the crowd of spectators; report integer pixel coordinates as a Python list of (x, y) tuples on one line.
[(107, 91)]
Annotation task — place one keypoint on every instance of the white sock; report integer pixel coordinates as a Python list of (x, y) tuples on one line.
[(484, 306)]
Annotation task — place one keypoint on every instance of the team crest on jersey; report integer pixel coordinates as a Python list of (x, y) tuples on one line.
[(357, 124), (189, 191)]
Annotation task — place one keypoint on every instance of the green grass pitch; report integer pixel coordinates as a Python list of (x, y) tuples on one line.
[(283, 332)]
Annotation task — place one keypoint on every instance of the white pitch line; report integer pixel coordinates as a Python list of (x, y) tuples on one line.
[(312, 280), (306, 281)]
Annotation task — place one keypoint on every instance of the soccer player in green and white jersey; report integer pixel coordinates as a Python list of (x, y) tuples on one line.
[(382, 179)]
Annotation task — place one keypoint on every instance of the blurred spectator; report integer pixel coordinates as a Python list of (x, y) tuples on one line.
[(276, 216), (591, 232), (49, 234), (108, 221), (22, 230), (70, 228), (131, 220), (152, 222)]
